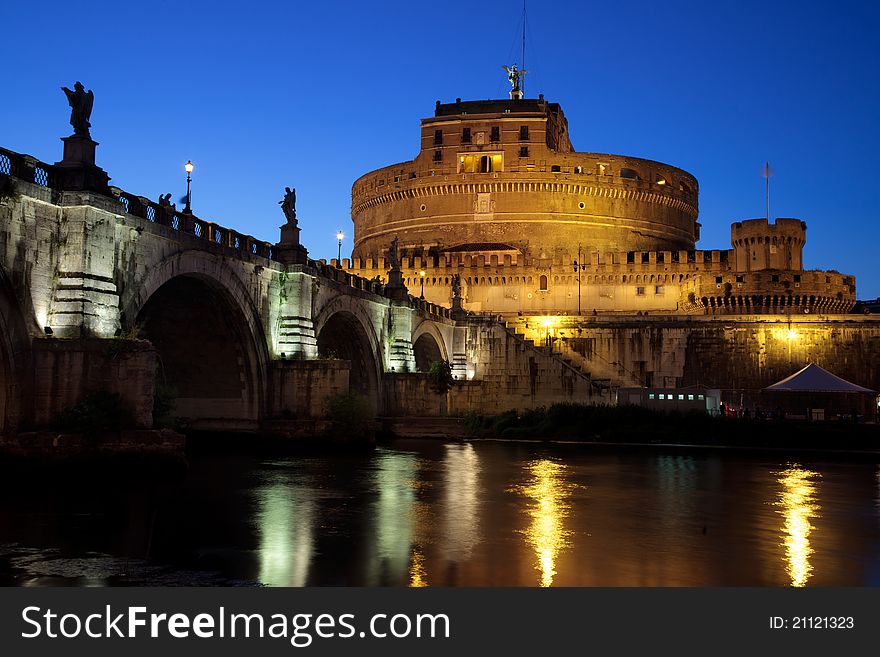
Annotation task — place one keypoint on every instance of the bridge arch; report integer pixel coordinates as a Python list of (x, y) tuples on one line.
[(428, 346), (344, 330), (212, 351)]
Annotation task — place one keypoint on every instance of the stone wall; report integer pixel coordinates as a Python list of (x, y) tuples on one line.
[(66, 371), (743, 352), (301, 388)]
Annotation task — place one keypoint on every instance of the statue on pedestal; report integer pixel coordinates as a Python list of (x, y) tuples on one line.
[(514, 76), (81, 102), (456, 286), (393, 257), (288, 204)]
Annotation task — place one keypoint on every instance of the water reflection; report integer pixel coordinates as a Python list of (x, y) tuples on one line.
[(797, 502), (395, 482), (549, 503), (286, 525), (418, 576), (461, 501)]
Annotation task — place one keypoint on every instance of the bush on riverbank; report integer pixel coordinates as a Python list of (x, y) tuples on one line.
[(635, 424), (351, 418)]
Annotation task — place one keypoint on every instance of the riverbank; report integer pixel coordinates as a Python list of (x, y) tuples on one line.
[(641, 427)]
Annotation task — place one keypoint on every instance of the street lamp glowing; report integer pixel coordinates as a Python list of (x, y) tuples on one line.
[(422, 277), (339, 236), (188, 167)]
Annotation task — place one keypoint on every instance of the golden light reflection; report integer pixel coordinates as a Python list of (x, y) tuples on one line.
[(549, 495), (797, 503), (418, 576)]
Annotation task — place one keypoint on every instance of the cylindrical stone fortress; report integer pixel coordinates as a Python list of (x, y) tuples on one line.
[(502, 175)]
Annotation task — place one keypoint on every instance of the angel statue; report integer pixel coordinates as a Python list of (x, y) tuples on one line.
[(288, 204), (456, 286), (393, 256), (81, 102), (514, 75)]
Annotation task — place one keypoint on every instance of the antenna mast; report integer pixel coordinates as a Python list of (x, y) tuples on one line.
[(767, 188), (523, 58)]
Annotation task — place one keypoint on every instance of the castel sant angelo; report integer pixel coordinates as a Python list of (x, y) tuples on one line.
[(498, 195)]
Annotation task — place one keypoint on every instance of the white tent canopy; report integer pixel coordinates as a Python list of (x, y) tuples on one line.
[(813, 378)]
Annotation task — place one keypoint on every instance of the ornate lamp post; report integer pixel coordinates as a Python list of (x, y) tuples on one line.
[(339, 236), (578, 267), (189, 166), (422, 276)]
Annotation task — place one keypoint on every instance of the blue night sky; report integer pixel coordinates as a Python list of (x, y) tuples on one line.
[(312, 95)]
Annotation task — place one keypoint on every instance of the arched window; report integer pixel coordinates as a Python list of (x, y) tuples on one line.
[(542, 283), (631, 174)]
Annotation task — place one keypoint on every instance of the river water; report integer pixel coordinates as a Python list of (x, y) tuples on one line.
[(418, 513)]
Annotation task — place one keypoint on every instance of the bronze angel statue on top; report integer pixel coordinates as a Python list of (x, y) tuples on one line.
[(81, 102)]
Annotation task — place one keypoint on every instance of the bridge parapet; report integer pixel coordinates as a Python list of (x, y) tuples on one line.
[(31, 170)]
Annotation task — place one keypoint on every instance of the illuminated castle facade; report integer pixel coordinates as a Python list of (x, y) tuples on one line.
[(498, 195)]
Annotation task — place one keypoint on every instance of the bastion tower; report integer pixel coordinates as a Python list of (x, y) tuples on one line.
[(498, 195)]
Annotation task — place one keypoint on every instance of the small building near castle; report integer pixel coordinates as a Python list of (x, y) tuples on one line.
[(499, 195)]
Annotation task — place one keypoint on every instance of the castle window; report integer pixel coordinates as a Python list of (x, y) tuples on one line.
[(438, 137), (797, 278), (524, 133), (480, 163), (740, 278), (542, 283), (555, 168), (578, 169), (640, 291), (684, 188), (660, 180), (630, 257), (524, 151), (774, 278), (466, 136), (438, 155), (630, 174), (658, 289), (495, 135), (604, 170), (719, 280)]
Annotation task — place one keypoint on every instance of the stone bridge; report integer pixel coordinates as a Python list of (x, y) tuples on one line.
[(102, 290)]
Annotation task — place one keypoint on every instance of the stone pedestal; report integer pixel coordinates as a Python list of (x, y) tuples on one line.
[(78, 171), (396, 289), (289, 250), (458, 311)]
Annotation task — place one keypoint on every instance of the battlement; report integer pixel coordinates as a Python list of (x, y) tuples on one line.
[(759, 244)]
